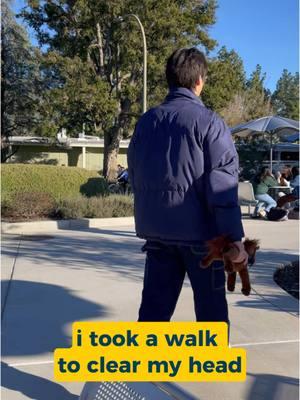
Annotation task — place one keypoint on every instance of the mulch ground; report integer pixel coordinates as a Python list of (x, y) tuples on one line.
[(287, 277)]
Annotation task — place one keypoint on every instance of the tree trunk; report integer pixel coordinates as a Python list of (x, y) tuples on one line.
[(6, 150), (111, 149)]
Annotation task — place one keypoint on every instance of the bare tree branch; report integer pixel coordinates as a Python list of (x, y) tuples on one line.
[(100, 47)]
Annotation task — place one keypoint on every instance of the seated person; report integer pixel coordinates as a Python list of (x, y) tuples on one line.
[(294, 183), (120, 169), (286, 173), (123, 177), (280, 176), (261, 184), (282, 181)]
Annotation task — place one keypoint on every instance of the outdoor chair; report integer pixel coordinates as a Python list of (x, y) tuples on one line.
[(246, 195)]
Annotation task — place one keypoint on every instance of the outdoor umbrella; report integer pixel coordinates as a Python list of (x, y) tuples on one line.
[(271, 125), (290, 138)]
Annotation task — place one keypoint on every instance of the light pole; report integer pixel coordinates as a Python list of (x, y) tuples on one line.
[(144, 58)]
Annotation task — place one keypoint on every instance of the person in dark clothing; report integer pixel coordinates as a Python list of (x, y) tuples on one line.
[(183, 168), (123, 177), (294, 196)]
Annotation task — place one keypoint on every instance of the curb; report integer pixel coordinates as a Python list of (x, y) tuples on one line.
[(68, 224)]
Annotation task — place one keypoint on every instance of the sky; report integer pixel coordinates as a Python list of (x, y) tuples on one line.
[(264, 32)]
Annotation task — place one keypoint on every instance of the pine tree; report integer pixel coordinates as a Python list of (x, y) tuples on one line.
[(20, 81), (226, 78), (251, 103), (285, 98), (90, 34), (257, 97)]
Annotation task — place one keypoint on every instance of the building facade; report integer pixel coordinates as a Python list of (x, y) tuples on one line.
[(72, 152)]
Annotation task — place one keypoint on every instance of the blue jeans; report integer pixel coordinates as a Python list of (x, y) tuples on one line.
[(264, 200), (165, 269)]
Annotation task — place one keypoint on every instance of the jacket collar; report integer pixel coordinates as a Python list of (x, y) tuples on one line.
[(178, 92)]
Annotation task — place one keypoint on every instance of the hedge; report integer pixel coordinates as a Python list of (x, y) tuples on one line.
[(36, 206), (59, 182), (95, 207)]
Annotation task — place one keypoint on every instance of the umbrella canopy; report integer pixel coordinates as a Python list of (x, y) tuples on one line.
[(271, 125)]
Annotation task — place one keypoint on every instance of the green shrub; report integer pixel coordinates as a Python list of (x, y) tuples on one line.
[(28, 206), (59, 182), (95, 207), (32, 206)]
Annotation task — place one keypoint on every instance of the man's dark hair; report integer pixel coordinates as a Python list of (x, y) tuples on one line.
[(184, 67)]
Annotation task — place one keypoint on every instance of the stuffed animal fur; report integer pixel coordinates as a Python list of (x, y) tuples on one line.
[(222, 248)]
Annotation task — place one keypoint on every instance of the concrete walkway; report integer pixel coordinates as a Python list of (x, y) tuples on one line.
[(96, 274)]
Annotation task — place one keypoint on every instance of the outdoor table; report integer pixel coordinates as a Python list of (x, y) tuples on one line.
[(274, 190)]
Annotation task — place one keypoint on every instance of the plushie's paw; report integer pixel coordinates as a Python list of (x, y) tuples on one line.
[(246, 291)]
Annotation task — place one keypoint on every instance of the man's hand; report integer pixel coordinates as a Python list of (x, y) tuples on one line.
[(242, 256)]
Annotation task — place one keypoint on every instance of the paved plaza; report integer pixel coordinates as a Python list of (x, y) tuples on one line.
[(96, 273)]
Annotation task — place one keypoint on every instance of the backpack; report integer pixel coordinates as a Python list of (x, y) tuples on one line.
[(277, 214)]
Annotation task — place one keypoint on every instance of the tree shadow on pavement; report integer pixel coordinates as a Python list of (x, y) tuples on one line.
[(32, 386), (276, 302), (273, 387), (39, 314), (261, 275), (266, 263), (34, 323), (103, 253)]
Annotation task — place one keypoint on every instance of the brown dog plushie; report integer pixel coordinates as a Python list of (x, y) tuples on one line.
[(222, 248)]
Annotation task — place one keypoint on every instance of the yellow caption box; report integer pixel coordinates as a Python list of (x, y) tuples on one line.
[(149, 351)]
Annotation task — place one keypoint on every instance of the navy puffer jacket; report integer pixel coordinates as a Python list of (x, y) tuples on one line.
[(183, 168)]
